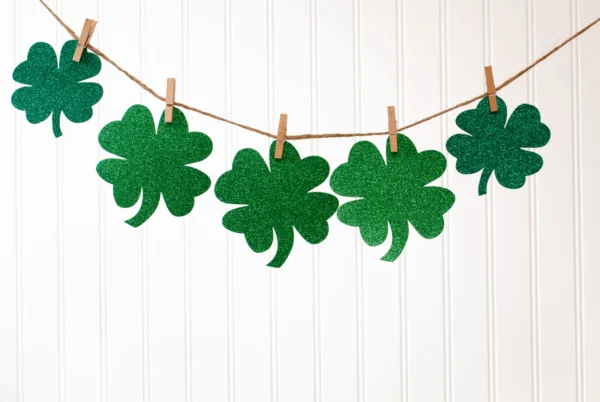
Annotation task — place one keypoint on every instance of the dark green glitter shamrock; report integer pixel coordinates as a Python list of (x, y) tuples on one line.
[(495, 145), (154, 162), (276, 200), (394, 193), (54, 89)]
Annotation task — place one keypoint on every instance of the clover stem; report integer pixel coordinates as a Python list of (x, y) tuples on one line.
[(483, 181), (150, 201), (285, 242), (56, 123), (399, 239)]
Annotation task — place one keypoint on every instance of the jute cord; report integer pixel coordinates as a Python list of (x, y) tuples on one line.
[(312, 136)]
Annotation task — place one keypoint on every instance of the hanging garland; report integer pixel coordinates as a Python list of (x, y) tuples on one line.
[(274, 200)]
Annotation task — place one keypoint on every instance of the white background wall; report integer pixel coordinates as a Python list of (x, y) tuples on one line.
[(504, 306)]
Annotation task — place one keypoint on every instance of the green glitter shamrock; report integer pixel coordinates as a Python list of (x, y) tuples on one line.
[(55, 89), (154, 161), (495, 145), (276, 200), (394, 193)]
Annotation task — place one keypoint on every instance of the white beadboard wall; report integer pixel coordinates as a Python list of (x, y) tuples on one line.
[(503, 307)]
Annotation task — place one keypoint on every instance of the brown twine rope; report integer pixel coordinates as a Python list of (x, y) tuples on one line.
[(311, 136)]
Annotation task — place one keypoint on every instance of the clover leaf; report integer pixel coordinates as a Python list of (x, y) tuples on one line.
[(154, 162), (495, 145), (392, 194), (55, 89), (277, 200)]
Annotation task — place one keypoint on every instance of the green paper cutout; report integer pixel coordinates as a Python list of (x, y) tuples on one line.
[(56, 89), (276, 200), (495, 145), (153, 161), (394, 193)]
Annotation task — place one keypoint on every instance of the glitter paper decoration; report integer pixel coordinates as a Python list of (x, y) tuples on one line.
[(54, 89), (496, 146), (154, 162), (392, 194), (276, 200)]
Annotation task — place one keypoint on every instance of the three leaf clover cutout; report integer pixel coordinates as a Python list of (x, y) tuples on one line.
[(55, 87), (276, 200), (392, 194), (153, 162), (495, 145)]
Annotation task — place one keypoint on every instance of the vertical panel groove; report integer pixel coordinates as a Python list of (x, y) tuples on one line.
[(230, 248), (448, 397), (490, 236), (273, 299), (145, 254), (60, 245), (18, 214), (187, 223), (533, 223), (316, 271), (577, 202), (102, 253), (60, 277), (399, 4), (356, 31), (401, 64)]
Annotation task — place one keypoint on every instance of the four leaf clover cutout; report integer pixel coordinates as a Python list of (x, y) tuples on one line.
[(392, 194), (153, 162), (497, 146), (55, 87), (277, 199)]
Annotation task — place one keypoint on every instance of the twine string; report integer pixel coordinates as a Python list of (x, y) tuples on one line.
[(312, 136)]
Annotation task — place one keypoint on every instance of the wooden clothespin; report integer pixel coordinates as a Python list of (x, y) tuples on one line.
[(170, 100), (84, 39), (392, 129), (281, 133), (491, 88)]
